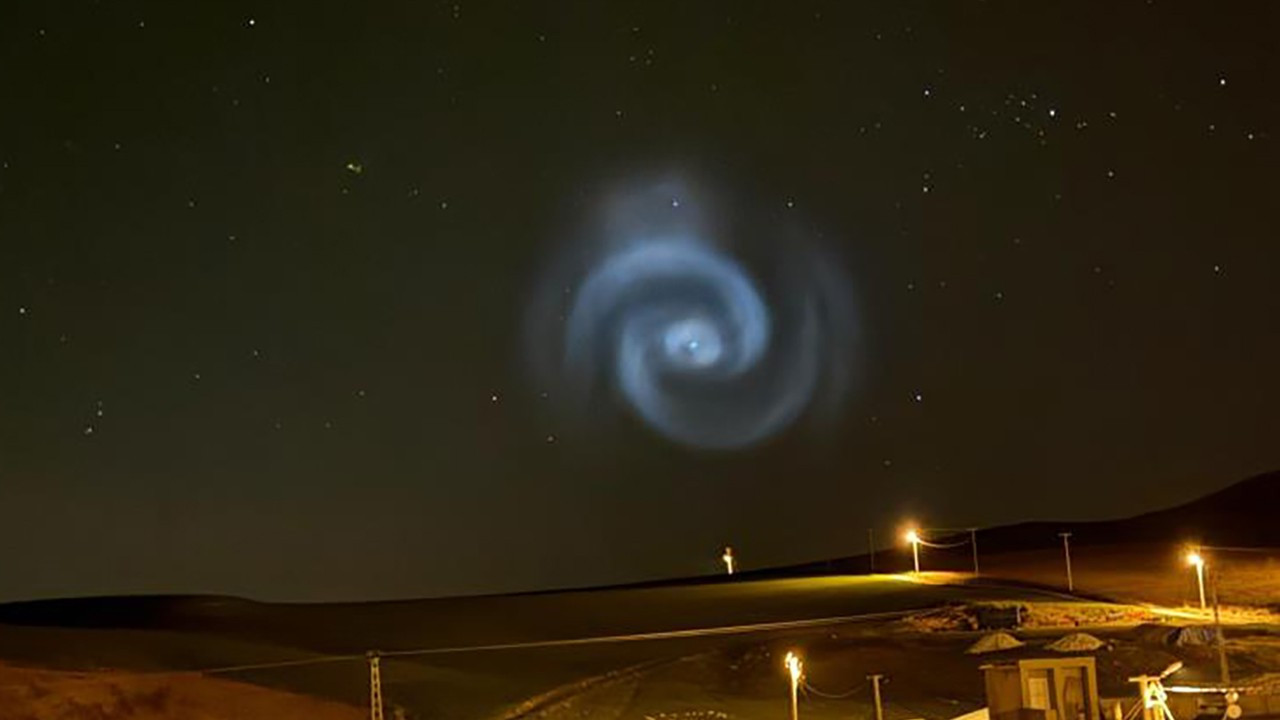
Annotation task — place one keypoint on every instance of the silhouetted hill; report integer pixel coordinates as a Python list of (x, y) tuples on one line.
[(1241, 515), (123, 611)]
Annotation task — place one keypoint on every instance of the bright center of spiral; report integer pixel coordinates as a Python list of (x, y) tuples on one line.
[(693, 343)]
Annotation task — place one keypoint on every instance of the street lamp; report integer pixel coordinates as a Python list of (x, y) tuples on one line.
[(913, 537), (727, 557), (795, 669), (1194, 558)]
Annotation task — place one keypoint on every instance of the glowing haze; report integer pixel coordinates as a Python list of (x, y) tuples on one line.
[(658, 307)]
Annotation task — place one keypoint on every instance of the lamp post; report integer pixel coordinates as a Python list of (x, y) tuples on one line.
[(1196, 559), (795, 669), (916, 537), (727, 557), (913, 537), (1066, 552), (1199, 559)]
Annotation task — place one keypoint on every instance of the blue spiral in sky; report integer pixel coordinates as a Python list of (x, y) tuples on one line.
[(658, 308)]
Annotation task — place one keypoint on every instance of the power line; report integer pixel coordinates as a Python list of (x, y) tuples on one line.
[(833, 696), (569, 642)]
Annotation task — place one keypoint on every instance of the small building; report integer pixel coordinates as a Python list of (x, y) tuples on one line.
[(1042, 689)]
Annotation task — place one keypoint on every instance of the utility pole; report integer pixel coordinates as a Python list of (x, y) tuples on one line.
[(871, 549), (973, 540), (375, 686), (875, 693), (1223, 670), (1066, 551)]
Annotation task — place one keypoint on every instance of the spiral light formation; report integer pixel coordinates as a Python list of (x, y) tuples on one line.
[(688, 338)]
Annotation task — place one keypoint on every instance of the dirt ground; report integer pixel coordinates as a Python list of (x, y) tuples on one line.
[(712, 678), (929, 674), (31, 694)]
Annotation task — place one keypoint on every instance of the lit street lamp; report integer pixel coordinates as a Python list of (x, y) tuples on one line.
[(916, 537), (1194, 558), (795, 669), (913, 537), (727, 557)]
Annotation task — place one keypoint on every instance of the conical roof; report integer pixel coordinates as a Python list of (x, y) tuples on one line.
[(1076, 642), (994, 642)]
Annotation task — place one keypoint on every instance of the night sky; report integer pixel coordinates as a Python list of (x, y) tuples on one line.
[(266, 279)]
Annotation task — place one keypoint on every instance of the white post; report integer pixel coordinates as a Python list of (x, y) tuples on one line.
[(1066, 551), (875, 692), (1200, 583)]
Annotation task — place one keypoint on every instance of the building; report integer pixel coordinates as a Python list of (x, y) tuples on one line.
[(1042, 689)]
